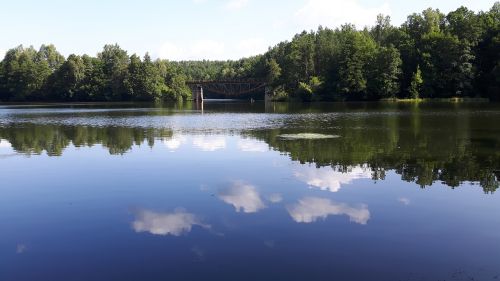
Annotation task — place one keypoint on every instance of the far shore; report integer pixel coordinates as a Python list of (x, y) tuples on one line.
[(444, 100)]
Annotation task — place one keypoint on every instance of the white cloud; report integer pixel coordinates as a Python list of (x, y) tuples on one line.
[(210, 49), (333, 13), (242, 196), (404, 201), (174, 143), (2, 54), (203, 49), (248, 145), (175, 223), (275, 198), (326, 178), (209, 143), (199, 1), (170, 51), (310, 209), (234, 5)]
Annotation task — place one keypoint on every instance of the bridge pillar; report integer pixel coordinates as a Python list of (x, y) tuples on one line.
[(198, 93)]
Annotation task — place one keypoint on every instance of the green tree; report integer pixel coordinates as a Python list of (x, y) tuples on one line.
[(488, 54), (25, 72), (144, 81), (273, 70), (94, 84), (66, 82), (465, 24), (355, 52), (385, 73), (114, 62), (447, 66), (382, 29), (51, 56), (416, 84), (307, 91)]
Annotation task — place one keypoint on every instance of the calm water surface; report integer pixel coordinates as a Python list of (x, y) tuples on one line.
[(181, 192)]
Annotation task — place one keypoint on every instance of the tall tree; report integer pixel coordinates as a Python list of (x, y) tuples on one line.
[(66, 82), (273, 71), (385, 71), (354, 54), (382, 29), (114, 62), (143, 80)]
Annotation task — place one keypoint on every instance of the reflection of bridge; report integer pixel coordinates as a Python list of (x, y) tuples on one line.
[(225, 87)]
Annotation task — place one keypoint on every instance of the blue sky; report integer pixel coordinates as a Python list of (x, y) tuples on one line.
[(190, 29)]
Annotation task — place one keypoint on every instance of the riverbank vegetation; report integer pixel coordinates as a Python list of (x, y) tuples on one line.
[(431, 55)]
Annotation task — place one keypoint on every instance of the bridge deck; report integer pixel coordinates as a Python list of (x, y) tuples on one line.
[(227, 87)]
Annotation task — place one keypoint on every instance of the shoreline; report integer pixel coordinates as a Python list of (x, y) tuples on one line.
[(451, 100), (392, 100)]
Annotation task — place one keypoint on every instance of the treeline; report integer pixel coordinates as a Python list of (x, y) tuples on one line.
[(45, 75), (431, 55)]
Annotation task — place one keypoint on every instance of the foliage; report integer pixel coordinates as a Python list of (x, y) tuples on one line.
[(384, 73), (431, 55), (44, 75), (416, 84)]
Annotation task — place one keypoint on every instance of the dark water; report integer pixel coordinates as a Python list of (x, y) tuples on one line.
[(141, 192)]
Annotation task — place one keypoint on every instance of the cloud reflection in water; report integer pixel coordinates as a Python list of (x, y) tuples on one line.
[(209, 143), (248, 145), (176, 223), (326, 178), (405, 201), (310, 209), (174, 143), (5, 144), (242, 196), (275, 198)]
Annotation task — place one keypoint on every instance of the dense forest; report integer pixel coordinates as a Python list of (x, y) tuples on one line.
[(431, 55)]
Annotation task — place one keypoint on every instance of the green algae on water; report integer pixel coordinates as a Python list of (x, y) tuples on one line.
[(306, 136)]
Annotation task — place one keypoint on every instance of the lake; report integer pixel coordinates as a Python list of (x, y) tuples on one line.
[(234, 190)]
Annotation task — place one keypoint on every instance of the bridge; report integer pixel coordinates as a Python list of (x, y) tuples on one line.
[(225, 87)]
